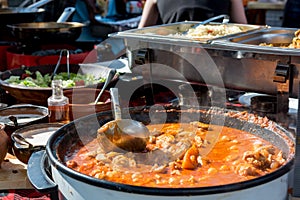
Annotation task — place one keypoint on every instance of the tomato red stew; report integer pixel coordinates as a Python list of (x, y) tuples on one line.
[(179, 155)]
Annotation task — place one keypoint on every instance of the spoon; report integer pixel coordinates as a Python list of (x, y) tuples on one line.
[(127, 134), (111, 74)]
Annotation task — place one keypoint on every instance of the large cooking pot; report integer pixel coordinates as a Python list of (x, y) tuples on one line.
[(59, 31), (12, 15), (74, 185)]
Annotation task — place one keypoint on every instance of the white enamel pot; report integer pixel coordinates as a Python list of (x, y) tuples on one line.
[(74, 185)]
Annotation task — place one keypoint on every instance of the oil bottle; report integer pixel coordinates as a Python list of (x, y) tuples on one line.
[(58, 104)]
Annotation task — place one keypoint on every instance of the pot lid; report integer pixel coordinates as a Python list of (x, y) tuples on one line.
[(36, 134), (22, 114)]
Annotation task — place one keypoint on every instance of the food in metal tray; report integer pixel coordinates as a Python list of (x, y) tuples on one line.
[(237, 156), (294, 44), (212, 31)]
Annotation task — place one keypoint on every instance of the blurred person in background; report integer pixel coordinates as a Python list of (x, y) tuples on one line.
[(169, 11), (291, 14)]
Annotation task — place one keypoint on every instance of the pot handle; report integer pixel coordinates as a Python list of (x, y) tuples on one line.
[(68, 11), (37, 175)]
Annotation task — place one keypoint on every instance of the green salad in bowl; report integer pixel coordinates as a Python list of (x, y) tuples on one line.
[(33, 84), (36, 79)]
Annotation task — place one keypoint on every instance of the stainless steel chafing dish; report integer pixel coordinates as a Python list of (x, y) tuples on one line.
[(250, 42), (239, 61), (243, 64), (175, 31)]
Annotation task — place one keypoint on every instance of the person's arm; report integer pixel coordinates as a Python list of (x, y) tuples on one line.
[(149, 15), (238, 14)]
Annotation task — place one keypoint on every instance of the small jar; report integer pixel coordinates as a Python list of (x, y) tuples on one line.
[(58, 104)]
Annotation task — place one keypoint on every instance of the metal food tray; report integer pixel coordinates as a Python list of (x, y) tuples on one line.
[(174, 31), (250, 42), (238, 57)]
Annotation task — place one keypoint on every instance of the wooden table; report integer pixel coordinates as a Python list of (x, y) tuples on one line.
[(256, 11), (14, 183), (13, 174)]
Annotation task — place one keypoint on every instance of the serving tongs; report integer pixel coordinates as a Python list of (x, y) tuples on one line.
[(67, 53), (225, 21)]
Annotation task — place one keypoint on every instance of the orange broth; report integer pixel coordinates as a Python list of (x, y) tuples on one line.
[(236, 156)]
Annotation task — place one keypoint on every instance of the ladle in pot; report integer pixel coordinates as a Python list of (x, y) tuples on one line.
[(127, 134), (132, 136)]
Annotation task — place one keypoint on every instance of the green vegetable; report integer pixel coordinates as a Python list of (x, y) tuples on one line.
[(45, 81), (14, 79), (28, 72)]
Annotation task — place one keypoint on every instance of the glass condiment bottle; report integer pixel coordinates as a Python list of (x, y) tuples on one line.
[(58, 104)]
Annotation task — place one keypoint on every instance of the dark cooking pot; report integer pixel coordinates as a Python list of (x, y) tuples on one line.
[(47, 31), (18, 116), (31, 138), (59, 31), (12, 15), (74, 185)]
